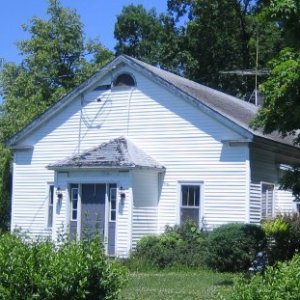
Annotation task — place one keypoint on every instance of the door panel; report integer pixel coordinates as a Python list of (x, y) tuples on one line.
[(93, 210)]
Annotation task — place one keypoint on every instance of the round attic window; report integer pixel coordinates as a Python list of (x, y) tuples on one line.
[(124, 80)]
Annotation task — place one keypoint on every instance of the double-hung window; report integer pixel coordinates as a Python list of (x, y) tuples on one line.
[(189, 202), (267, 200), (74, 202), (50, 206), (112, 204)]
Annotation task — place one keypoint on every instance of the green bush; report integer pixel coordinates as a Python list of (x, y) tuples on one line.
[(179, 246), (284, 235), (277, 283), (40, 270), (232, 247)]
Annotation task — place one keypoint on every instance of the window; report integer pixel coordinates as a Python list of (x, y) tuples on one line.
[(124, 80), (267, 200), (50, 205), (74, 203), (112, 204), (189, 202)]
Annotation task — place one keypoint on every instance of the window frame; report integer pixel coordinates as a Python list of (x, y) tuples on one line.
[(267, 216), (50, 206), (118, 86), (110, 209), (199, 184), (71, 203)]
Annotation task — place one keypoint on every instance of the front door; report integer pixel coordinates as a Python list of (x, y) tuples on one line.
[(93, 210)]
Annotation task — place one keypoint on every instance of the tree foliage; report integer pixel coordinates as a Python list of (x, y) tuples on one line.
[(145, 35), (56, 59), (277, 283), (5, 188), (41, 270), (281, 108)]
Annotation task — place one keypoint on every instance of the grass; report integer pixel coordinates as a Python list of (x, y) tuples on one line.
[(176, 285)]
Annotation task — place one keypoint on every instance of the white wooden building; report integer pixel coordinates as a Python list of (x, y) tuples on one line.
[(136, 148)]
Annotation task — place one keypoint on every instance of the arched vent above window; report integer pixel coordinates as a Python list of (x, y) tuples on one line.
[(124, 80)]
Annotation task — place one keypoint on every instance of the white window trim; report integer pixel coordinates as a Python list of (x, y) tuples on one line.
[(49, 184), (110, 209), (71, 204), (273, 200), (201, 200)]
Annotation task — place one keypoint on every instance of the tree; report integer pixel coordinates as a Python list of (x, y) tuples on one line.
[(56, 59), (199, 39), (145, 35), (5, 186), (221, 36), (137, 31), (281, 108)]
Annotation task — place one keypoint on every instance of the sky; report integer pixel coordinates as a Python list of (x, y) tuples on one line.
[(98, 17)]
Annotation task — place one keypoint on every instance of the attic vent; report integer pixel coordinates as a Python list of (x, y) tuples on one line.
[(124, 80)]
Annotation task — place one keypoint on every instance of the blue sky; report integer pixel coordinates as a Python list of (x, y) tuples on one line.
[(98, 17)]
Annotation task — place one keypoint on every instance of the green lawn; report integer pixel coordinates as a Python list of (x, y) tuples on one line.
[(176, 285)]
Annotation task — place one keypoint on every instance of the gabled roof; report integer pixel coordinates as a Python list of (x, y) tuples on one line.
[(234, 109), (228, 109), (117, 153)]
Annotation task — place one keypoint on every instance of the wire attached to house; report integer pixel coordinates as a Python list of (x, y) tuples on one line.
[(80, 120), (128, 110)]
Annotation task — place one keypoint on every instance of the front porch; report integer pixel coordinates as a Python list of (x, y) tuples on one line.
[(111, 190)]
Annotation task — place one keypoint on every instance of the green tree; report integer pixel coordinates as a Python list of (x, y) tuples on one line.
[(221, 36), (56, 58), (199, 39), (145, 35), (5, 190), (137, 31), (281, 108)]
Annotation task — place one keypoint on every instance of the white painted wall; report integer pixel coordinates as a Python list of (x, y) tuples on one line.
[(178, 135), (145, 204), (265, 168)]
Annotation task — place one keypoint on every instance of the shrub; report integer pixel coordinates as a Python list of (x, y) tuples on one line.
[(40, 270), (179, 246), (284, 234), (277, 283), (232, 247)]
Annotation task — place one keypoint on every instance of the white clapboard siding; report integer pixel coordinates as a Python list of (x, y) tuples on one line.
[(144, 222), (264, 169), (145, 204), (175, 133), (255, 203), (284, 202)]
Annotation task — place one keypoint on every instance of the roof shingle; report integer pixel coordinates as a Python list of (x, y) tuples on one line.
[(117, 153)]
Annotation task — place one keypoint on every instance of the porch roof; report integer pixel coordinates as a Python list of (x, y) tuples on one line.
[(117, 153)]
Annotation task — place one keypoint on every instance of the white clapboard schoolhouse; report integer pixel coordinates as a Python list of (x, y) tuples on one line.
[(136, 148)]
